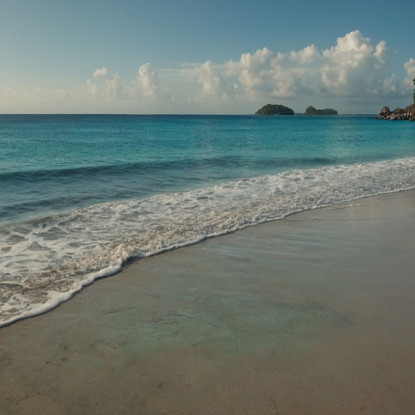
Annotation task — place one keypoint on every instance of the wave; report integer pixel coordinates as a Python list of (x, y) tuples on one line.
[(155, 166), (29, 193), (44, 262)]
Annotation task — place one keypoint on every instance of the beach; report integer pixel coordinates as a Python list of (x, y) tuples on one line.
[(312, 314)]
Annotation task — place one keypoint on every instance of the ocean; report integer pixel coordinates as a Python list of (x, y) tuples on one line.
[(81, 195)]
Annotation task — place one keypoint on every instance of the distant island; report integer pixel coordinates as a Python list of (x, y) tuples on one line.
[(408, 113), (314, 111), (271, 109)]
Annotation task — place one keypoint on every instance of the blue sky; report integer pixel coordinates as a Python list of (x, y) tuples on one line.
[(179, 56)]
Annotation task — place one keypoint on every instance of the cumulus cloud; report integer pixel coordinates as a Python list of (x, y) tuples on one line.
[(354, 66), (306, 55), (410, 69), (145, 85), (212, 80), (108, 89), (254, 69), (100, 72), (148, 82), (115, 87)]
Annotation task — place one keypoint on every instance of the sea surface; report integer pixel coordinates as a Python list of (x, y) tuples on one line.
[(80, 195)]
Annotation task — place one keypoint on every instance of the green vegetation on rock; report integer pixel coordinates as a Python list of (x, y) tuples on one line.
[(314, 111), (271, 109)]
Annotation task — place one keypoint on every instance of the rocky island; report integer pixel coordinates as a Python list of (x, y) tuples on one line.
[(314, 111), (407, 113), (271, 109)]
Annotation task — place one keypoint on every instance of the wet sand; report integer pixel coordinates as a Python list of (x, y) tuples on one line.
[(313, 314)]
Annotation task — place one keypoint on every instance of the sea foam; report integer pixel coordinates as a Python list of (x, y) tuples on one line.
[(44, 262)]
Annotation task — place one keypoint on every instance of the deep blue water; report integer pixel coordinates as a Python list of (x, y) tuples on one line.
[(80, 194)]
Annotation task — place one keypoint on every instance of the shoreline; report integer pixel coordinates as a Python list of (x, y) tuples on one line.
[(309, 314), (113, 269)]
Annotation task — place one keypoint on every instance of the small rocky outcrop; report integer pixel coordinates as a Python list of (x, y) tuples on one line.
[(271, 109), (398, 114), (314, 111), (385, 112)]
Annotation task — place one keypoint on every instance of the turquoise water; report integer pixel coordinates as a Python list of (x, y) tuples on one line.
[(81, 194)]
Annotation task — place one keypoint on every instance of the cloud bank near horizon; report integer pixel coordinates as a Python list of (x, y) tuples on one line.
[(354, 68)]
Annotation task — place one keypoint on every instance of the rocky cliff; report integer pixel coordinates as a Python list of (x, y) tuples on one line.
[(407, 113)]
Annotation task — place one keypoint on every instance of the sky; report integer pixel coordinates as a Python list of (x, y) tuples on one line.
[(211, 57)]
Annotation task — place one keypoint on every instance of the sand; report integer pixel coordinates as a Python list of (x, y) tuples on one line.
[(313, 314)]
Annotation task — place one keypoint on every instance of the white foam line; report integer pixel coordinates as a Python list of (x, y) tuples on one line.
[(59, 298)]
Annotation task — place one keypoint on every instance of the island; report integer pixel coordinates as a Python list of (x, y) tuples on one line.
[(271, 109), (314, 111), (398, 114), (407, 113)]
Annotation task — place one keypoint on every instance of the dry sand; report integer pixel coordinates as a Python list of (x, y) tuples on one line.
[(309, 315)]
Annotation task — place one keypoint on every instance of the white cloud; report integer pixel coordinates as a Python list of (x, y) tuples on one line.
[(148, 82), (306, 55), (380, 52), (100, 72), (252, 70), (115, 87), (144, 86), (410, 69), (354, 69), (108, 89), (212, 80)]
